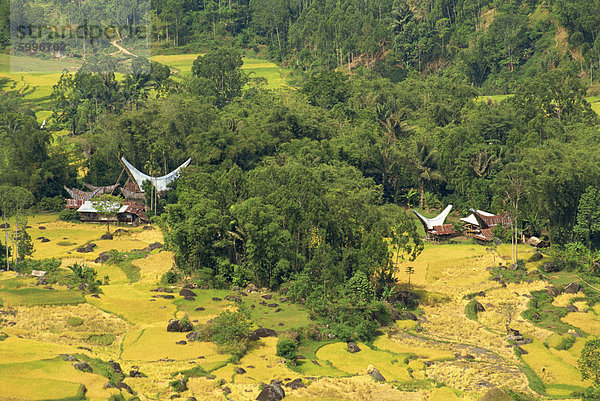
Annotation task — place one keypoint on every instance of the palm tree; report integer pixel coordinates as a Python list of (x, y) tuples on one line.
[(426, 162)]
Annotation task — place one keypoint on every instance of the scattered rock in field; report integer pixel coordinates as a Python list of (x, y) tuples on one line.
[(83, 366), (120, 231), (409, 316), (375, 374), (552, 291), (295, 384), (41, 228), (252, 306), (192, 399), (192, 336), (267, 296), (263, 303), (181, 342), (187, 293), (277, 310), (103, 257), (572, 308), (95, 296), (152, 246), (272, 392), (521, 350), (200, 308), (124, 386), (537, 256), (174, 326), (479, 307), (273, 305), (135, 372), (279, 324), (87, 248), (262, 332), (216, 299), (352, 347), (240, 371), (189, 298), (107, 236), (233, 298), (226, 390), (70, 358), (572, 288), (550, 267), (168, 296), (44, 240), (283, 299), (115, 366), (147, 228)]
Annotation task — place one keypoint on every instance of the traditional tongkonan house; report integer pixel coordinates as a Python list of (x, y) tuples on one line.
[(435, 229), (479, 224)]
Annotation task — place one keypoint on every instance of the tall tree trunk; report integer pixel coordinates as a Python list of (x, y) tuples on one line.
[(6, 243)]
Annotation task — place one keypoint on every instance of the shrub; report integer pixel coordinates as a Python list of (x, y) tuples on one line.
[(74, 321), (471, 310), (170, 277), (229, 331), (101, 339), (566, 343), (69, 215), (55, 204), (288, 349)]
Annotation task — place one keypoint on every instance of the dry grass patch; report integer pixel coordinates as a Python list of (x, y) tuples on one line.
[(404, 346), (391, 366), (443, 394), (55, 372), (133, 302), (154, 266), (586, 321), (14, 349), (357, 388), (26, 389), (564, 299), (49, 323), (266, 365), (154, 343)]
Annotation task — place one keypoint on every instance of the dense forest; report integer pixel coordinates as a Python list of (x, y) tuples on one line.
[(306, 188)]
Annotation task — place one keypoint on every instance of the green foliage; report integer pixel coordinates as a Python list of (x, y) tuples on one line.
[(101, 339), (74, 321), (471, 310), (566, 343), (589, 361), (541, 312), (288, 349), (360, 288), (229, 331), (69, 215), (85, 277), (587, 228), (220, 75)]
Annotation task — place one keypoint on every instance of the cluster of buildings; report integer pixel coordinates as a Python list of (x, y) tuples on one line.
[(479, 225), (131, 211)]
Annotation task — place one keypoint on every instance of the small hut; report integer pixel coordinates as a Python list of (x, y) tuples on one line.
[(479, 224)]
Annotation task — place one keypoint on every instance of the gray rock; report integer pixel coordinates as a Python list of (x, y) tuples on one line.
[(107, 236), (83, 366), (272, 392), (352, 347), (174, 326), (262, 332), (295, 384), (187, 293), (375, 374), (572, 308), (572, 288)]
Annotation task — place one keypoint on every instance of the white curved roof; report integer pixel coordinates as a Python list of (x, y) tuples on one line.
[(470, 219), (160, 183), (437, 220)]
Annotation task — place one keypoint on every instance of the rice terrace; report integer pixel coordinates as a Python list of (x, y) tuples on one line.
[(300, 200)]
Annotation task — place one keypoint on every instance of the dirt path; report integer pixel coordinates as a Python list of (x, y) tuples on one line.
[(121, 49)]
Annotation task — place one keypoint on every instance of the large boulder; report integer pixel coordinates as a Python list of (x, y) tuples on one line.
[(572, 308), (552, 291), (572, 288), (375, 373), (295, 384), (352, 347), (185, 292), (107, 236), (174, 326), (87, 248), (262, 332), (479, 307), (115, 366), (550, 267), (83, 366), (103, 257), (272, 392)]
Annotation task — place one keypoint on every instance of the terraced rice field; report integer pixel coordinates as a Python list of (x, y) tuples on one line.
[(443, 355)]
